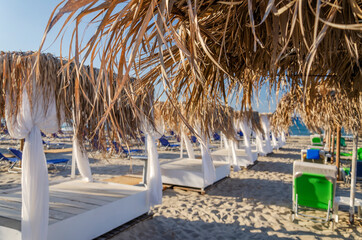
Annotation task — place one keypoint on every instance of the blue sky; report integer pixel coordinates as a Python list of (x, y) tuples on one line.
[(22, 25)]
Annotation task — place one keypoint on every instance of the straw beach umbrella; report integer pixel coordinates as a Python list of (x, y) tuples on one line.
[(40, 92), (205, 48), (208, 49), (328, 108)]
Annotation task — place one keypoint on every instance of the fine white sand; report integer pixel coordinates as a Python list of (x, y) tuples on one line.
[(251, 204)]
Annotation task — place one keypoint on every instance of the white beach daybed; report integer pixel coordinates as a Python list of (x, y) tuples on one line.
[(75, 209), (191, 172), (188, 172), (78, 210), (225, 155)]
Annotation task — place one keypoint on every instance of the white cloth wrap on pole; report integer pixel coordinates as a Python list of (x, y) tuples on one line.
[(28, 123), (208, 168), (154, 181), (275, 143), (283, 138), (259, 144), (189, 148), (226, 143), (234, 160), (160, 127), (181, 147), (280, 142), (353, 175), (244, 126), (266, 126), (81, 158)]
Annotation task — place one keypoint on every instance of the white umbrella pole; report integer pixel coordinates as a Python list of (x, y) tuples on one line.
[(353, 177), (72, 173), (182, 145)]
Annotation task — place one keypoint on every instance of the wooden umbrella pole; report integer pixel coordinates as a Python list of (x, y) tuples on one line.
[(22, 141), (353, 177), (332, 153), (22, 144), (338, 150), (329, 139)]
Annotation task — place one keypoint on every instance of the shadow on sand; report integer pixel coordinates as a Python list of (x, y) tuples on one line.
[(280, 194), (175, 228)]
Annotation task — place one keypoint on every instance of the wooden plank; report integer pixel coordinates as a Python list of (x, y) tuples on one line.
[(59, 215), (10, 204), (72, 203), (56, 211), (67, 200), (84, 199), (10, 223), (67, 208), (10, 213), (63, 150), (90, 189), (9, 207), (8, 155), (125, 180), (166, 186), (107, 198), (199, 190)]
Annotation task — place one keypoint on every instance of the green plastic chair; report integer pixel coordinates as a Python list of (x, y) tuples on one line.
[(343, 142), (313, 191), (344, 154), (316, 141), (349, 154)]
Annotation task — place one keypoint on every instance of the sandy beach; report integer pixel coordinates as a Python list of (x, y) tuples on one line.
[(253, 203)]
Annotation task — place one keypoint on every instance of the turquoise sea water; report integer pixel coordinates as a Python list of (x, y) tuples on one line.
[(298, 128)]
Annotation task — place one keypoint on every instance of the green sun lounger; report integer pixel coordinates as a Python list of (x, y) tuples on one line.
[(313, 191), (349, 154), (317, 141), (313, 188)]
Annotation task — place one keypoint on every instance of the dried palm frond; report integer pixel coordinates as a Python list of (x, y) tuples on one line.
[(253, 117), (82, 98), (201, 50), (326, 108), (217, 118)]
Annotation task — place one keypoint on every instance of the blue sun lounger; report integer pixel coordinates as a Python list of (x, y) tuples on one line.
[(53, 162), (12, 161), (165, 143), (120, 149)]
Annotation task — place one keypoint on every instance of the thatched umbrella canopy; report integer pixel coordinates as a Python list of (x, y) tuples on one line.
[(282, 117), (326, 108), (207, 49), (166, 115), (253, 117), (40, 92), (74, 94), (216, 118)]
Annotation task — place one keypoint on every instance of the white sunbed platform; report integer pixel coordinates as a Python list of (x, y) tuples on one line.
[(188, 172), (78, 210), (224, 155)]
